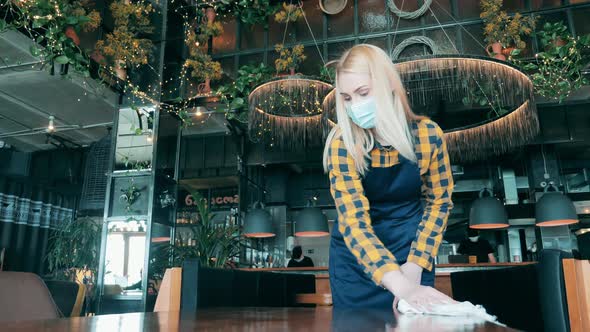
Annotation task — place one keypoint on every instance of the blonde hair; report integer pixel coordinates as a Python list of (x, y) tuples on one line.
[(392, 122)]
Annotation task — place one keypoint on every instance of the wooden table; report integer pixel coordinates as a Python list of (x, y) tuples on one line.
[(254, 319)]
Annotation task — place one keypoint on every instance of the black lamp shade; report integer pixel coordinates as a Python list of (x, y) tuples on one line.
[(258, 223), (488, 213), (555, 209), (311, 222)]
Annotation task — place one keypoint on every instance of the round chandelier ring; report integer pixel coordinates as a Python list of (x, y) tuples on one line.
[(438, 79), (286, 112)]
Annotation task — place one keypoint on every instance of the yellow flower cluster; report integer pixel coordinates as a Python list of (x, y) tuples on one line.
[(290, 13), (289, 58)]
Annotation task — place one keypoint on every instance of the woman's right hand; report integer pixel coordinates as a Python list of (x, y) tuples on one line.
[(422, 298), (418, 296)]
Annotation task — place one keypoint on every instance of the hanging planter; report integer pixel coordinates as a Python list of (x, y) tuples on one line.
[(71, 33), (332, 7), (503, 32), (495, 50), (210, 14), (289, 59)]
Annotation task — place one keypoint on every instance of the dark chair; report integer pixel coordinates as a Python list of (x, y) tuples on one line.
[(67, 295), (245, 288), (24, 296), (552, 290), (517, 295), (272, 290), (209, 287)]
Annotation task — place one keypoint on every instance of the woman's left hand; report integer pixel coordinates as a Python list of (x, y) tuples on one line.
[(412, 271)]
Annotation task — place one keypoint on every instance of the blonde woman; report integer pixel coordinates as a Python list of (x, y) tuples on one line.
[(391, 181)]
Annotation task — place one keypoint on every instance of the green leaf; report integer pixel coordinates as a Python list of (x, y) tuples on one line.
[(71, 20), (138, 131), (465, 101), (237, 103), (483, 102), (3, 24), (515, 52), (530, 66), (37, 24), (34, 50), (83, 19), (62, 59), (563, 84)]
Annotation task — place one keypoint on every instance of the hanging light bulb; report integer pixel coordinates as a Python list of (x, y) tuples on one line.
[(51, 126)]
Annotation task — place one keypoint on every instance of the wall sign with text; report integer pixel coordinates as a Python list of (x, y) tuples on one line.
[(221, 199)]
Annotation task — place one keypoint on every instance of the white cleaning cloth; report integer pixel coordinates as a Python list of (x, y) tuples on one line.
[(459, 309)]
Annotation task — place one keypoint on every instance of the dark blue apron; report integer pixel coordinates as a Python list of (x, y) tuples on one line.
[(396, 208)]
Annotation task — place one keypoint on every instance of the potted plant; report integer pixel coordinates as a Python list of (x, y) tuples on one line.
[(214, 244), (289, 59), (502, 32), (88, 19), (125, 47), (204, 31), (203, 69), (557, 71), (73, 250), (289, 13)]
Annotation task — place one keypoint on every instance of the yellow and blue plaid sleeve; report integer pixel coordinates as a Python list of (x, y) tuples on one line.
[(431, 152), (354, 222)]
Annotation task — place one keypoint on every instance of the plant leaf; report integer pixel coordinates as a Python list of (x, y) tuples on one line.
[(62, 59)]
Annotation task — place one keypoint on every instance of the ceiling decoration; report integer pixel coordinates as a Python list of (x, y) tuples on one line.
[(286, 112)]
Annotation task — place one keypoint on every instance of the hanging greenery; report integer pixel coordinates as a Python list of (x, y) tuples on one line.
[(289, 59), (557, 71), (250, 12), (235, 94), (328, 74), (54, 26)]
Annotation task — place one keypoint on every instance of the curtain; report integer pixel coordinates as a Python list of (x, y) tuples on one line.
[(27, 213)]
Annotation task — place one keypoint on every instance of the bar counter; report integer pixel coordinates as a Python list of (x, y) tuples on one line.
[(442, 281)]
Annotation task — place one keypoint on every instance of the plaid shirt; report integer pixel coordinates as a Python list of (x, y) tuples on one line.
[(354, 222)]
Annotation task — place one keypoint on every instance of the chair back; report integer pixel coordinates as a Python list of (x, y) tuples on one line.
[(24, 296), (67, 295)]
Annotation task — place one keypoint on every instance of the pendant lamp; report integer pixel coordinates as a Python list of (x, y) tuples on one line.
[(258, 223), (311, 222), (487, 212), (555, 209)]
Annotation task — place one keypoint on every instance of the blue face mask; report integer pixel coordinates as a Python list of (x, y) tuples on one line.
[(363, 113)]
